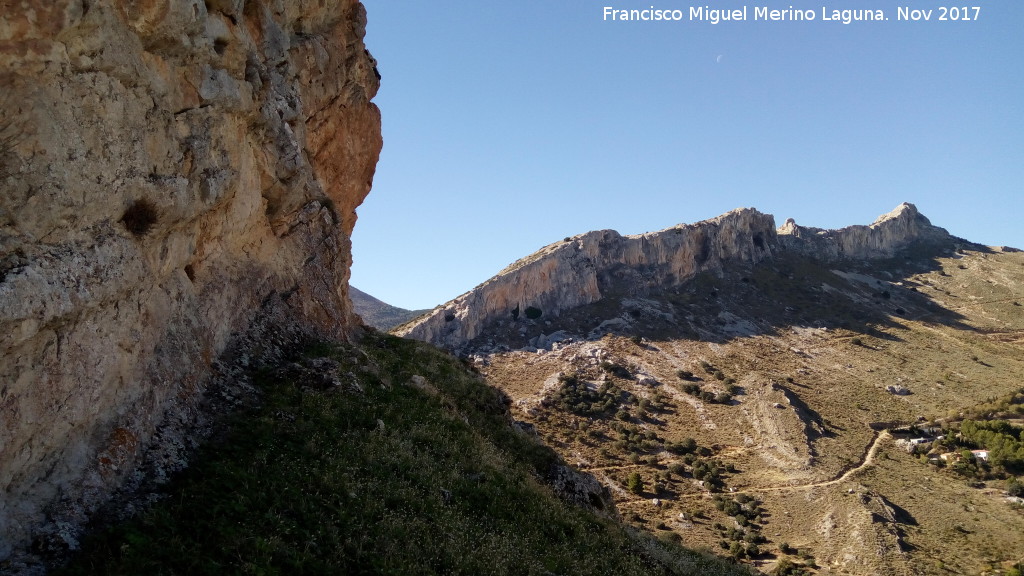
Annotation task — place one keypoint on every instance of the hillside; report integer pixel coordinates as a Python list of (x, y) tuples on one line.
[(379, 314), (760, 405), (383, 457)]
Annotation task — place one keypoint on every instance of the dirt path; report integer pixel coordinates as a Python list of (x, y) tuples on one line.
[(976, 303), (866, 461), (618, 467)]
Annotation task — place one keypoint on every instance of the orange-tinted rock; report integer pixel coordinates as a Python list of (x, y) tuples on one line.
[(248, 131)]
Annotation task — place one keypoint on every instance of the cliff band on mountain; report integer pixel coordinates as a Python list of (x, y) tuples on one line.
[(583, 269)]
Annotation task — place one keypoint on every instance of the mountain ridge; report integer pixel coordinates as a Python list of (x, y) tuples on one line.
[(580, 269), (380, 314)]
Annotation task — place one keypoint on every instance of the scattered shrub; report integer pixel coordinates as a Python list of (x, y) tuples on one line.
[(736, 550), (1015, 488), (617, 370), (685, 447), (576, 396), (635, 483), (787, 567)]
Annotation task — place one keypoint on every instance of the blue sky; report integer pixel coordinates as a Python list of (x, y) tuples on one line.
[(510, 125)]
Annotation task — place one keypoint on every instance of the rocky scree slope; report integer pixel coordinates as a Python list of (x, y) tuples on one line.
[(172, 171), (583, 269)]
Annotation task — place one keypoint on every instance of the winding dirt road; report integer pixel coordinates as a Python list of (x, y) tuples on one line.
[(866, 461)]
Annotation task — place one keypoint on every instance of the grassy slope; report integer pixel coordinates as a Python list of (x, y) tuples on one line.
[(395, 479)]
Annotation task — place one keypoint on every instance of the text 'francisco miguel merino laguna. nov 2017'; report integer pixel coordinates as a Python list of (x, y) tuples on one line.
[(790, 14)]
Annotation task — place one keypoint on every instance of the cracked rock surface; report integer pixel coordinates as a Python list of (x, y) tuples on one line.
[(170, 171)]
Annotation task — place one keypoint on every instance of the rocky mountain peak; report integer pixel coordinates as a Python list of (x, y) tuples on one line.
[(882, 239)]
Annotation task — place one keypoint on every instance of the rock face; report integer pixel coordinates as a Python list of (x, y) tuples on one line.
[(169, 170), (583, 269), (882, 239)]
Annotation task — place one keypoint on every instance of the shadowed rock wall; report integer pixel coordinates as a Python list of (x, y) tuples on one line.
[(168, 168)]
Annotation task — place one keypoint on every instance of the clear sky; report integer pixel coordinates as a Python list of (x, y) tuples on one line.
[(509, 125)]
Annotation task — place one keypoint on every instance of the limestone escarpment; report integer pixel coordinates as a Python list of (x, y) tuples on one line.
[(584, 269), (169, 168), (882, 239)]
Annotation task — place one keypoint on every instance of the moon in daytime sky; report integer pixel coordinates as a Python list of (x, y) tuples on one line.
[(718, 59)]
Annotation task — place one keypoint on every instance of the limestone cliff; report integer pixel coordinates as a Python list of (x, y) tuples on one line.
[(171, 170), (580, 270), (583, 269), (882, 239)]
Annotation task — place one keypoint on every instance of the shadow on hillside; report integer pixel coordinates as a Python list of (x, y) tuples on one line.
[(815, 425), (790, 293), (785, 294)]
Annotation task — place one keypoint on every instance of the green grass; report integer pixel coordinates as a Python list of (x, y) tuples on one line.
[(396, 479)]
